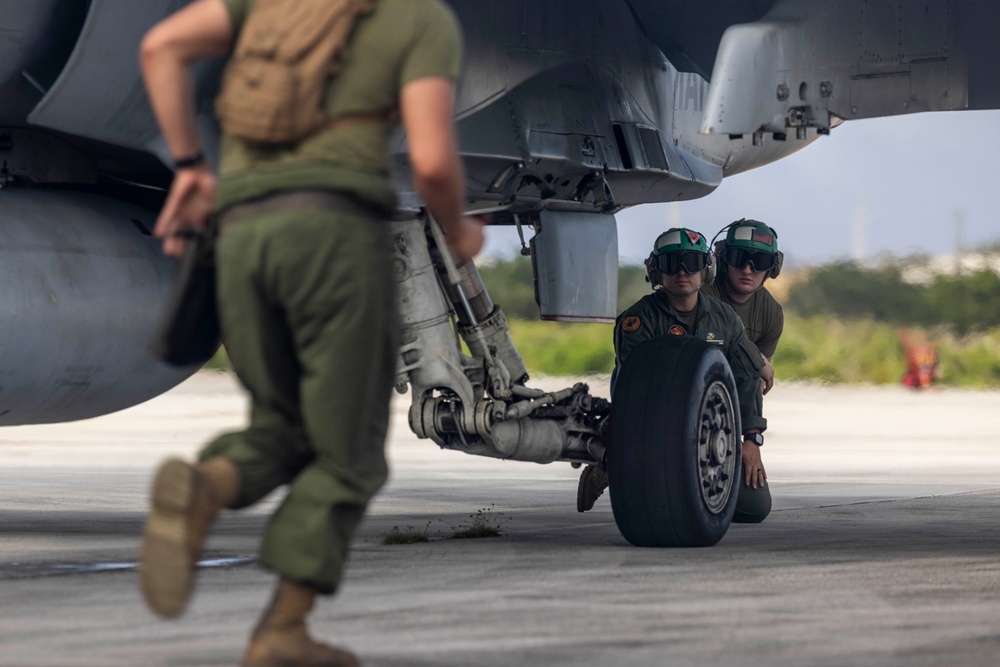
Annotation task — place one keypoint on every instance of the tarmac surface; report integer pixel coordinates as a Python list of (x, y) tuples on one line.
[(882, 549)]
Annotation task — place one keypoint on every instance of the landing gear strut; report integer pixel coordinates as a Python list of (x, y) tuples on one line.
[(478, 402)]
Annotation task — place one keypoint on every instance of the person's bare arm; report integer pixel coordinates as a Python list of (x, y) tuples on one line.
[(427, 107), (200, 30), (753, 467), (766, 375)]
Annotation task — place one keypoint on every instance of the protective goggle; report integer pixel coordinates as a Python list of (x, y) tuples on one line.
[(670, 263), (759, 260)]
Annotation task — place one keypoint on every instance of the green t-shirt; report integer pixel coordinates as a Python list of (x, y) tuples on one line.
[(399, 42), (761, 314)]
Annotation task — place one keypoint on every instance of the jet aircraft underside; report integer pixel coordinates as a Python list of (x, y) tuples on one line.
[(568, 111)]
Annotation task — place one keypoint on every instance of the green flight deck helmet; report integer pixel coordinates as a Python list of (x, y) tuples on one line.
[(679, 247), (751, 242)]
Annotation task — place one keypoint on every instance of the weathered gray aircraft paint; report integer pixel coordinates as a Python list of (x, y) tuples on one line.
[(568, 111)]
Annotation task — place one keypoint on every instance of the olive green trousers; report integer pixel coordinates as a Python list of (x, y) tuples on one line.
[(308, 309)]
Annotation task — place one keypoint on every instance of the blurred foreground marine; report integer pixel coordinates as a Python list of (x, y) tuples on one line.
[(678, 266), (921, 360), (746, 258), (308, 308)]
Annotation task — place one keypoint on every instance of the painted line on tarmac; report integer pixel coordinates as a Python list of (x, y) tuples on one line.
[(37, 570)]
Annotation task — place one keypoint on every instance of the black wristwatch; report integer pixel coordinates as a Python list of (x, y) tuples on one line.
[(756, 438), (190, 161)]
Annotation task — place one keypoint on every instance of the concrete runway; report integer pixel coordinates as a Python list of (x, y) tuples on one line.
[(882, 549)]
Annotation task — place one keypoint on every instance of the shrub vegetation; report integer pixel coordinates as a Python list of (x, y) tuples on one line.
[(841, 324), (965, 303)]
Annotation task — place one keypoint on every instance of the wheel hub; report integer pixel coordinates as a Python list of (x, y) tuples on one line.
[(716, 447)]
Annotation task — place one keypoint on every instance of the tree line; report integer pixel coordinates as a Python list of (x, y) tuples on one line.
[(964, 302)]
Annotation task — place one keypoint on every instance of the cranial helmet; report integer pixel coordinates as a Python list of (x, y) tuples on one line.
[(750, 242), (679, 247)]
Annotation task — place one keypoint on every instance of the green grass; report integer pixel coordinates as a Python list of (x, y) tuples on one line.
[(560, 348), (828, 350), (220, 362), (408, 535), (818, 348), (484, 523), (971, 361), (849, 351)]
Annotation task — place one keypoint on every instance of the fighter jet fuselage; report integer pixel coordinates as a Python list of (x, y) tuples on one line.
[(567, 110)]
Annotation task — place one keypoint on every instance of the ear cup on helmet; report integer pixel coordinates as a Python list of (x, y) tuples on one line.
[(776, 269), (709, 271), (778, 261), (718, 257)]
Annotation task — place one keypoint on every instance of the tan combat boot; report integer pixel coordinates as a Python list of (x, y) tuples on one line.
[(281, 639), (185, 499), (593, 481)]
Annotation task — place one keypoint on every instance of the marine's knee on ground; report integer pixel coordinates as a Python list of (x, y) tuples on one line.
[(752, 505)]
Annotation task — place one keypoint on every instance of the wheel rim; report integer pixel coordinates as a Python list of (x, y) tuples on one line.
[(716, 447)]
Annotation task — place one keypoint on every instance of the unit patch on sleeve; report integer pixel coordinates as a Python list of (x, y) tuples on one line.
[(631, 324)]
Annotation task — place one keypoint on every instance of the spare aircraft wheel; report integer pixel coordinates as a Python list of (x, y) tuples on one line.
[(674, 449)]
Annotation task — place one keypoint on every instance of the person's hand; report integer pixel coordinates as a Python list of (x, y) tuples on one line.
[(465, 240), (766, 376), (188, 205), (753, 468)]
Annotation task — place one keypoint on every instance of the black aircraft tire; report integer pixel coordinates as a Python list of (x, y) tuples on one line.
[(675, 428)]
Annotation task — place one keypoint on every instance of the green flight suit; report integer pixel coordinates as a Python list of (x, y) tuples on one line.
[(308, 302)]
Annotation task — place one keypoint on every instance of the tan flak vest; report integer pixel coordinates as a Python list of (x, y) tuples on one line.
[(274, 85)]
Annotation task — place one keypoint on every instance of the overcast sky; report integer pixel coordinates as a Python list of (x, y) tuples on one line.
[(894, 185)]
